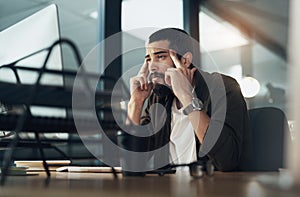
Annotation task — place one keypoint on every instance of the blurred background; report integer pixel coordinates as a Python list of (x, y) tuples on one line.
[(245, 38)]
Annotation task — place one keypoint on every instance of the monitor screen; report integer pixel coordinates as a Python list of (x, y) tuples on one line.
[(34, 33)]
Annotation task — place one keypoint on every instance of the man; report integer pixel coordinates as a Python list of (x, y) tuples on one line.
[(191, 107)]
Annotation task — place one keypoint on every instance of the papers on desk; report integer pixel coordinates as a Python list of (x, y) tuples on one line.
[(92, 169), (18, 171), (38, 165), (62, 166)]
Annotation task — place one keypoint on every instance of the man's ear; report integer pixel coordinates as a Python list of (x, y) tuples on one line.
[(187, 59)]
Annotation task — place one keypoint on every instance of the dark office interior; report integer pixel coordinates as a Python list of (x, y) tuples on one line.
[(252, 41)]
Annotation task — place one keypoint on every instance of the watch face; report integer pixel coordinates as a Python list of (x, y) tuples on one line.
[(194, 106), (197, 103)]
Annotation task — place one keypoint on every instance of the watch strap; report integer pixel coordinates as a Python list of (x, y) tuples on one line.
[(195, 105)]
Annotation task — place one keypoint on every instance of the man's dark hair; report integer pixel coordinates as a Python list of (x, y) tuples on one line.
[(180, 40)]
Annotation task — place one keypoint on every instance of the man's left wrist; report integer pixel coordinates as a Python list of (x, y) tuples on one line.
[(195, 105), (186, 100)]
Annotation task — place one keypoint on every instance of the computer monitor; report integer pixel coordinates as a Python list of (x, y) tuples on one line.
[(34, 33)]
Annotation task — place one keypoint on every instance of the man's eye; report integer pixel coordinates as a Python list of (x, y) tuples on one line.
[(161, 56)]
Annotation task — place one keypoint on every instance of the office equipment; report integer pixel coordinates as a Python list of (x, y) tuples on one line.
[(198, 168), (38, 124), (24, 44), (31, 67), (32, 34)]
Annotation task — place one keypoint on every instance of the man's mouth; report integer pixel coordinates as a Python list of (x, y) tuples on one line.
[(156, 76), (160, 88)]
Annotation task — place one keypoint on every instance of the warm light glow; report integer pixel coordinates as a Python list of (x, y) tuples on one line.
[(215, 35), (249, 86)]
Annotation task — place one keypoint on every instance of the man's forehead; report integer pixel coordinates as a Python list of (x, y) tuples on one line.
[(162, 45), (156, 51)]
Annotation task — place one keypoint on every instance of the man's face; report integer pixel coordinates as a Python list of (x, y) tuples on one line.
[(159, 60)]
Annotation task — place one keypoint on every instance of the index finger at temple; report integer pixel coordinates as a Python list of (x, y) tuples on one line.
[(144, 69), (175, 59)]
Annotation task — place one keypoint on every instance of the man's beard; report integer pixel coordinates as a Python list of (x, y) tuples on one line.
[(161, 90)]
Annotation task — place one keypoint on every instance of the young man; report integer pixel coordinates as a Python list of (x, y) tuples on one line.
[(194, 101)]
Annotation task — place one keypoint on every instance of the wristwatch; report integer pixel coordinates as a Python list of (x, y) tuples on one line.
[(196, 105)]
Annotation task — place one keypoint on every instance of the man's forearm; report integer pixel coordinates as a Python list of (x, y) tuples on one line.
[(134, 112), (199, 119), (200, 122)]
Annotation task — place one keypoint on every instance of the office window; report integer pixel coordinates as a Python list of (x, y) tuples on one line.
[(154, 13), (226, 50), (217, 35), (150, 15)]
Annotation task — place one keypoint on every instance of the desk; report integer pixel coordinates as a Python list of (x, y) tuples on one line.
[(179, 184)]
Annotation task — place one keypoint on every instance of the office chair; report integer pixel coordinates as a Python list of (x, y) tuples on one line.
[(270, 133)]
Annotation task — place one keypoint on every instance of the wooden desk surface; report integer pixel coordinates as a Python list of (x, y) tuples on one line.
[(179, 184)]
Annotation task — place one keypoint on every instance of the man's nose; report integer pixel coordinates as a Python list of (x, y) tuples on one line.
[(153, 66)]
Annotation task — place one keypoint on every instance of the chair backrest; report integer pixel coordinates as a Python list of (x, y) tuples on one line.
[(269, 129)]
